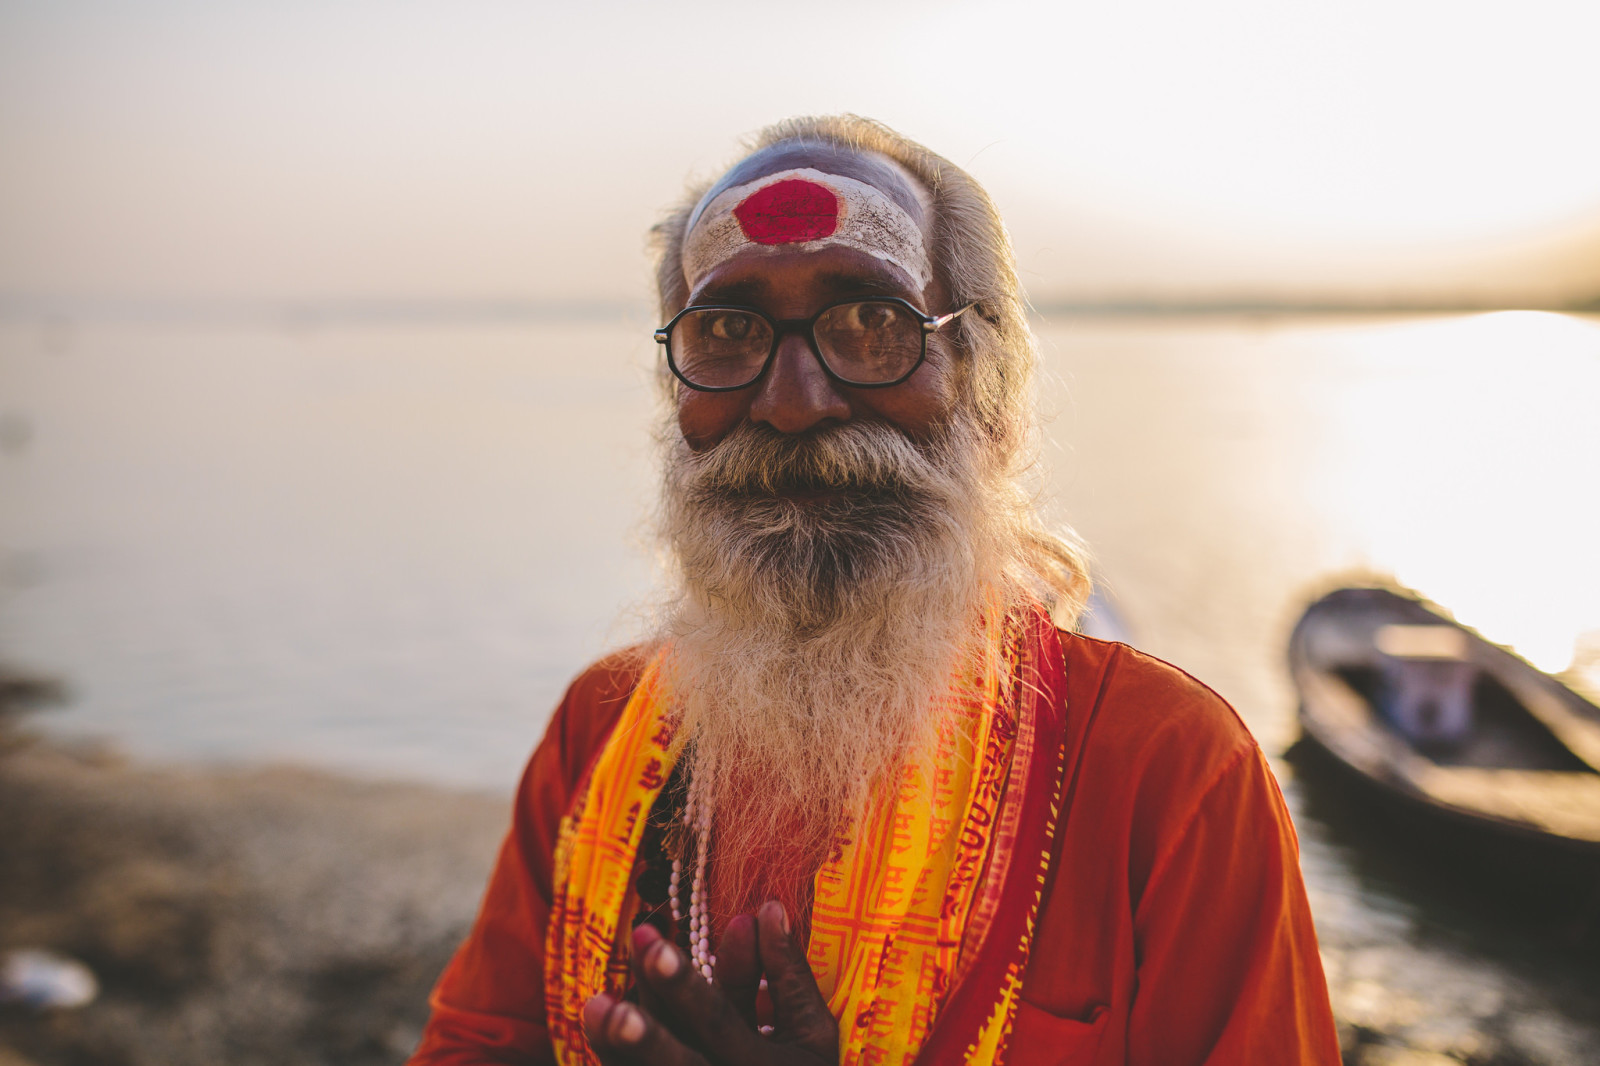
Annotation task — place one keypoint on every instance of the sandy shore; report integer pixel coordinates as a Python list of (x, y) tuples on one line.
[(282, 915), (240, 917)]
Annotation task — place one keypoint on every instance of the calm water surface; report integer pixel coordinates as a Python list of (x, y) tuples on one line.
[(385, 550)]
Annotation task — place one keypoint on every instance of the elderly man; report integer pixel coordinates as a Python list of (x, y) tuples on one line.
[(860, 799)]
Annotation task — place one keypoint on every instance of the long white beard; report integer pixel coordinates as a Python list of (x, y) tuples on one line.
[(812, 638)]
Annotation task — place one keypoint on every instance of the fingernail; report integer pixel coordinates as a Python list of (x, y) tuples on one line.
[(665, 961), (783, 914), (595, 1012), (627, 1026)]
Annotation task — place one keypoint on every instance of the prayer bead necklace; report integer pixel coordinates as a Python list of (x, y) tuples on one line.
[(696, 822)]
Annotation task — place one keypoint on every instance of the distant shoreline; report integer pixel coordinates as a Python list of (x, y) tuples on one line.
[(1220, 308), (312, 314)]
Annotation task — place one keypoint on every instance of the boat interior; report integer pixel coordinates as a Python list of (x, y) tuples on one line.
[(1504, 734)]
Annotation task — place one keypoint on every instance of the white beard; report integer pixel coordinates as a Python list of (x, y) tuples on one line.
[(811, 639)]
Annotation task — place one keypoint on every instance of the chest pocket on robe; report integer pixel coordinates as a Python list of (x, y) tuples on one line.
[(1040, 1038)]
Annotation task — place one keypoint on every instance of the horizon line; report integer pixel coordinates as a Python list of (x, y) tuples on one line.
[(293, 314)]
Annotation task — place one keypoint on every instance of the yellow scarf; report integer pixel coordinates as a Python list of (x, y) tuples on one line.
[(890, 919)]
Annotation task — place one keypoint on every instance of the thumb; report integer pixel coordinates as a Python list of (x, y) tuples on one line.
[(802, 1015), (739, 965)]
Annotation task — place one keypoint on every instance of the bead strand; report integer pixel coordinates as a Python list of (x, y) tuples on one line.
[(696, 823), (699, 909)]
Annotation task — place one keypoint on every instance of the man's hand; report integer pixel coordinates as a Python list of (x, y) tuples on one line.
[(683, 1020)]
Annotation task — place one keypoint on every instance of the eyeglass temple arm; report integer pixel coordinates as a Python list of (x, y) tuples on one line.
[(933, 325)]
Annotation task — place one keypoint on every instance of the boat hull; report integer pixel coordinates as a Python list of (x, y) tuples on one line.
[(1525, 775)]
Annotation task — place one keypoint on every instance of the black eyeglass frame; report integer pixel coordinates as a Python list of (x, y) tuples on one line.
[(806, 327)]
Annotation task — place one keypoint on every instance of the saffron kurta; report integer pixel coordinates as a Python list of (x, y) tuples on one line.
[(1173, 928)]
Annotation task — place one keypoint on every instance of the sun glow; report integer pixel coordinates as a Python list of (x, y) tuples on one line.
[(1471, 454), (323, 150)]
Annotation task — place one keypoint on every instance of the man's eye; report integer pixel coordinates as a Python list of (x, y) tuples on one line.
[(875, 316), (731, 327)]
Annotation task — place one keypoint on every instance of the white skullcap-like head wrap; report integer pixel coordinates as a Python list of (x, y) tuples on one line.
[(808, 209)]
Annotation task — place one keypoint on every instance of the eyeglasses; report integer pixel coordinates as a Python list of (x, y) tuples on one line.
[(866, 344)]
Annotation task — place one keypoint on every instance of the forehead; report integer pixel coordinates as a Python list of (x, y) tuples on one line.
[(876, 170), (828, 273), (806, 197)]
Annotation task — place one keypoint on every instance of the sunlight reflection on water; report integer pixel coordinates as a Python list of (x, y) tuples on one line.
[(1471, 468), (347, 544)]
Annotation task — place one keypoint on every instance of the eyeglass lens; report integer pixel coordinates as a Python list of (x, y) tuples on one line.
[(868, 342)]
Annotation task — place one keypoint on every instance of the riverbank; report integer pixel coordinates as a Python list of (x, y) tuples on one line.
[(232, 916), (270, 915)]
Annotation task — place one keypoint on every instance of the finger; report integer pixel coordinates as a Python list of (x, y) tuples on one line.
[(594, 1018), (738, 968), (702, 1014), (608, 1028), (622, 1034), (803, 1018), (643, 937)]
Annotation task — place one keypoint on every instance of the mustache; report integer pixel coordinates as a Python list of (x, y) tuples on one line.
[(854, 458)]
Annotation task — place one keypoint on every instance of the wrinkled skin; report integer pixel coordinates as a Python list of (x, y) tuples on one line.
[(796, 395)]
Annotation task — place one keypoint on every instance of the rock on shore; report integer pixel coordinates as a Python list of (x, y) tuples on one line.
[(241, 917)]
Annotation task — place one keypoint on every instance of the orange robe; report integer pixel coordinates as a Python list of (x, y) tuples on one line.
[(1173, 929)]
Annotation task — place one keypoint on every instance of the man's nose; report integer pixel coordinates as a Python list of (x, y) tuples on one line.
[(796, 394)]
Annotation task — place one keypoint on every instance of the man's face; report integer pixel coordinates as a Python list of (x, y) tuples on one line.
[(795, 395)]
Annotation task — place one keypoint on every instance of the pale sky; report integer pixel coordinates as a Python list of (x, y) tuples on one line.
[(326, 151)]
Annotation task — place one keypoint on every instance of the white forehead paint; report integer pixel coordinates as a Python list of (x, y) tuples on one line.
[(806, 209)]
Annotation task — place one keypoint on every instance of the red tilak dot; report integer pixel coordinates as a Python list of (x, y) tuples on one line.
[(789, 211)]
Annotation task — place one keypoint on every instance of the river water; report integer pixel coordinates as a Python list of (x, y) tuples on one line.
[(384, 548)]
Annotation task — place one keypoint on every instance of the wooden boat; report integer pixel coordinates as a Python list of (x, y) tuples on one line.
[(1437, 717)]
